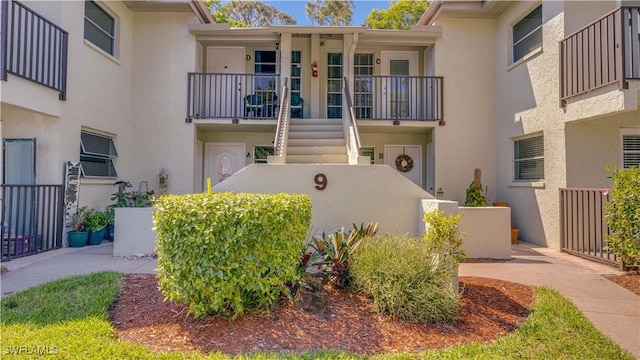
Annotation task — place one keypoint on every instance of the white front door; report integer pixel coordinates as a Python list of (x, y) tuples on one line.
[(398, 90), (406, 159), (227, 97), (222, 160)]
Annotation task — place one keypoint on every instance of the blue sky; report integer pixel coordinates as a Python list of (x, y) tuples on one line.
[(361, 9)]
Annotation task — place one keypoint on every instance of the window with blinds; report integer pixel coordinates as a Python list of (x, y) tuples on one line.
[(528, 159), (630, 151), (527, 34), (99, 27), (97, 155)]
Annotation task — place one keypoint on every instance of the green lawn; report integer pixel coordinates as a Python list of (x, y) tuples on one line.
[(68, 318)]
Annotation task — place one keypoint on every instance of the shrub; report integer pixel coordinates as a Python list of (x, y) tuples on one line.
[(334, 250), (409, 278), (622, 214), (95, 220), (226, 253), (402, 276)]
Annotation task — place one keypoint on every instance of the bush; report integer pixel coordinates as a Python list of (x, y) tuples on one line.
[(622, 214), (413, 279), (403, 277), (226, 253)]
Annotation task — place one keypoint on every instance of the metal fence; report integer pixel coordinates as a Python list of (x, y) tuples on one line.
[(394, 97), (232, 96), (583, 230), (36, 48), (32, 219), (603, 53)]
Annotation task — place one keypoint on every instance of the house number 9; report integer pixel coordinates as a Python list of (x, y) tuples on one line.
[(321, 181)]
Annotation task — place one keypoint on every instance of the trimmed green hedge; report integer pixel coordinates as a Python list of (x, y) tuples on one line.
[(226, 253)]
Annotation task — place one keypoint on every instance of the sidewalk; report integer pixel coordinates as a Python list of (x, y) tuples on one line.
[(614, 310), (611, 308)]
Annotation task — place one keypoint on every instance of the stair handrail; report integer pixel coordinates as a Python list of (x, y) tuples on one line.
[(282, 128), (351, 125)]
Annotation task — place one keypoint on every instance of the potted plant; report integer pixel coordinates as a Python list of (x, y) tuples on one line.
[(95, 222), (475, 197), (79, 236), (110, 217)]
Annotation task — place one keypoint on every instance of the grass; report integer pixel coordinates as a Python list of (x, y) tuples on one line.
[(69, 318)]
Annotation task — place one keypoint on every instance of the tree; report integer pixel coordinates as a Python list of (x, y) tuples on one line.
[(219, 16), (400, 15), (329, 12), (253, 14)]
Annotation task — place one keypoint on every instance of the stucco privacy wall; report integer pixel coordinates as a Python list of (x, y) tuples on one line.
[(354, 194), (591, 145), (463, 56), (527, 103), (164, 53)]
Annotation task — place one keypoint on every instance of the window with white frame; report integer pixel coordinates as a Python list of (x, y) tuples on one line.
[(527, 34), (97, 155), (363, 85), (528, 158), (261, 153), (99, 27), (630, 148)]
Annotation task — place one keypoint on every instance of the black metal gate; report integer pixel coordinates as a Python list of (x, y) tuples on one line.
[(32, 219)]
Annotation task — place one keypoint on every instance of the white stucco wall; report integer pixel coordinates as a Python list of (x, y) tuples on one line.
[(354, 194), (463, 56), (527, 103), (487, 232), (165, 53), (133, 232)]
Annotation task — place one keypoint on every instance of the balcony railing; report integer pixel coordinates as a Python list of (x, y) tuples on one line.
[(35, 48), (603, 53), (398, 98), (232, 96)]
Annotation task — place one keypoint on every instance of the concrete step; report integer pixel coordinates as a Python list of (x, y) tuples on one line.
[(316, 135), (315, 127), (316, 150), (315, 142), (317, 159), (296, 121)]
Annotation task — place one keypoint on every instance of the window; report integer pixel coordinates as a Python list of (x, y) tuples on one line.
[(528, 159), (261, 152), (527, 34), (363, 81), (296, 82), (334, 85), (264, 84), (369, 151), (630, 148), (97, 154), (99, 27)]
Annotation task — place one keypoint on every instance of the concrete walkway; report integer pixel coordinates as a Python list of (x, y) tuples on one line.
[(612, 309)]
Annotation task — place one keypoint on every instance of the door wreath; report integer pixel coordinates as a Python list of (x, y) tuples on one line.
[(404, 163)]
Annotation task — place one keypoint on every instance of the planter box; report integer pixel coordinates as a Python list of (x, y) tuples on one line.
[(133, 232), (488, 232)]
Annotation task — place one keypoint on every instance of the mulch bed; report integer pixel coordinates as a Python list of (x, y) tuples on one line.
[(630, 281), (489, 309)]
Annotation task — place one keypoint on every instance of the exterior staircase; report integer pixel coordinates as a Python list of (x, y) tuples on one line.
[(316, 141)]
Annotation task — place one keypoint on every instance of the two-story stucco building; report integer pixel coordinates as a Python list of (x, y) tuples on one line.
[(134, 87)]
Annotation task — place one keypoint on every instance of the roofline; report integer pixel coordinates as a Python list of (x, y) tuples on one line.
[(202, 11), (429, 15)]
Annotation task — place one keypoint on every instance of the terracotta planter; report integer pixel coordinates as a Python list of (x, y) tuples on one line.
[(514, 235), (501, 204)]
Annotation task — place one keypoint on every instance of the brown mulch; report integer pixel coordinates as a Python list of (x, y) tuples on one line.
[(489, 309), (629, 281)]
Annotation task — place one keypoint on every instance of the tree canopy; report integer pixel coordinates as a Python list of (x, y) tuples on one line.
[(248, 14), (400, 15), (329, 12)]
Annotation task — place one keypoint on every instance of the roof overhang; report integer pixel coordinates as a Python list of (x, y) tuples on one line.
[(196, 7), (489, 9), (417, 36)]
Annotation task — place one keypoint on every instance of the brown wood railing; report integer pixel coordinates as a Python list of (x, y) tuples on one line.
[(583, 230), (605, 52)]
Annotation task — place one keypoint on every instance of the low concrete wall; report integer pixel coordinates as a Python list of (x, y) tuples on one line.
[(488, 232), (133, 232), (353, 194)]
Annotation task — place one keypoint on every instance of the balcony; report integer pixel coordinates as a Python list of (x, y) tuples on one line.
[(603, 53), (33, 48), (254, 96)]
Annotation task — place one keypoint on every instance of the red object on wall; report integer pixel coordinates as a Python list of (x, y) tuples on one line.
[(314, 69)]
